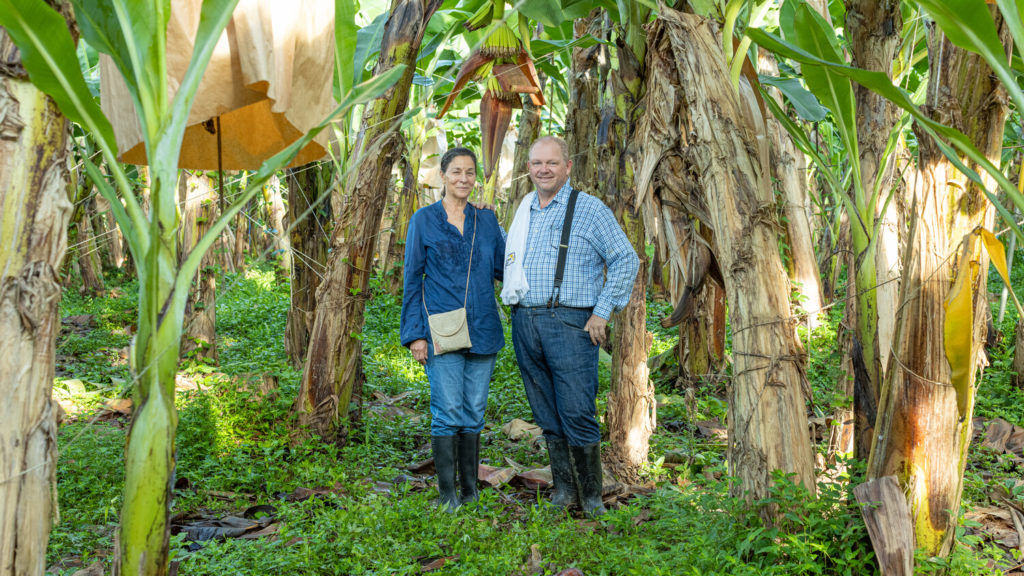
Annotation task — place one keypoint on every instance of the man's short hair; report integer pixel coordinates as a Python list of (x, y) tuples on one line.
[(555, 139)]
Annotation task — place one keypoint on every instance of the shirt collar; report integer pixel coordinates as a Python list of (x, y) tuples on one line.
[(562, 196)]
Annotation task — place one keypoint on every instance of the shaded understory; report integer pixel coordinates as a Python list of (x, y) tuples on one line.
[(368, 514)]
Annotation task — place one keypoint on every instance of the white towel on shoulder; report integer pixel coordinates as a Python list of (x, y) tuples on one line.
[(514, 285)]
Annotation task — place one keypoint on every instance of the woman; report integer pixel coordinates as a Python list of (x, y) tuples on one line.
[(453, 255)]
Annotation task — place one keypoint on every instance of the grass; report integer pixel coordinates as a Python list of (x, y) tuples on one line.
[(235, 450)]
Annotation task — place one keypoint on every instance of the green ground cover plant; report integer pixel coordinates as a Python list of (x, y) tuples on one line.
[(371, 515)]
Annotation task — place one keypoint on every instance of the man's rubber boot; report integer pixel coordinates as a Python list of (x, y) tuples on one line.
[(469, 467), (587, 462), (445, 450), (565, 493)]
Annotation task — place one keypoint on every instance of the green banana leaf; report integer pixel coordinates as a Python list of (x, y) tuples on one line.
[(803, 101), (947, 138)]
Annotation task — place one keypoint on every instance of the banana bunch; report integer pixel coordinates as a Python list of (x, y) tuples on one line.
[(495, 88), (501, 42), (482, 17)]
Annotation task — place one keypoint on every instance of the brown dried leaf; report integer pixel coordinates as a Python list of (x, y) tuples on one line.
[(534, 562), (518, 429), (713, 429), (495, 476), (431, 564), (94, 569), (538, 479)]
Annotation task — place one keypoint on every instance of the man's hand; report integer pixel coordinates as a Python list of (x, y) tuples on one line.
[(596, 327), (419, 351), (483, 206)]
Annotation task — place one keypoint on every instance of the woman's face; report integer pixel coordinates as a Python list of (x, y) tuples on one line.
[(460, 177)]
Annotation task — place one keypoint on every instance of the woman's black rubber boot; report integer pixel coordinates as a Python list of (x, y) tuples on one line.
[(565, 493), (445, 449), (587, 462), (469, 467)]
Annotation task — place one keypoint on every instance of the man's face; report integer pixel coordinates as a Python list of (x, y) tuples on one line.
[(548, 170)]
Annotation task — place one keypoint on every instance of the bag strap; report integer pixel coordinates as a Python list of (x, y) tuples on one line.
[(465, 297), (563, 248)]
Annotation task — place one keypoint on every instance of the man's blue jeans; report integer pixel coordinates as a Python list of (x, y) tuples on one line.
[(559, 367), (459, 382)]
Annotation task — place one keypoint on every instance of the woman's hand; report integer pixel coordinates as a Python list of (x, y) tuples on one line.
[(419, 351)]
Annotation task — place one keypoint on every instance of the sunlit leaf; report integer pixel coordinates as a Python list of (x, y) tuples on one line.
[(49, 57), (958, 331)]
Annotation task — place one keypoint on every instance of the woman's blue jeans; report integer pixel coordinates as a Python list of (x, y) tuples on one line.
[(558, 362), (459, 382)]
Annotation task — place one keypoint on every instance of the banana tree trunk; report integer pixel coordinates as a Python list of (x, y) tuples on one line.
[(529, 130), (631, 412), (307, 187), (697, 126), (408, 203), (333, 373), (144, 535), (923, 430), (34, 140), (788, 169), (89, 264), (115, 241), (699, 300), (587, 78), (874, 29), (198, 212), (274, 200)]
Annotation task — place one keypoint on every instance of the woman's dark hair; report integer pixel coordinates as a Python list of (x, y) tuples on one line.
[(453, 154)]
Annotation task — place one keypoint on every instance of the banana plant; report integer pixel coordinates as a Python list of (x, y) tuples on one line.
[(134, 36), (950, 141), (504, 63), (803, 27)]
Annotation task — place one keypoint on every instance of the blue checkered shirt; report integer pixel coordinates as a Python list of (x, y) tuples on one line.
[(596, 241)]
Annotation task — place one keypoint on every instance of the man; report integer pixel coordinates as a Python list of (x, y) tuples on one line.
[(557, 328)]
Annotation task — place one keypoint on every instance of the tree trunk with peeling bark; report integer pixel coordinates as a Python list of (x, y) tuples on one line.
[(333, 374), (707, 137), (34, 141), (874, 29), (279, 244), (198, 201), (587, 77), (630, 415), (408, 203), (788, 169), (112, 234), (310, 209), (89, 265), (529, 131), (921, 436)]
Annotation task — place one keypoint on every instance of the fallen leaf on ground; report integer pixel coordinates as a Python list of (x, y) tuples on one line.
[(385, 399), (422, 467), (713, 429), (495, 476), (270, 530), (122, 406), (538, 479), (533, 564), (520, 429), (570, 572), (94, 569), (220, 528), (431, 564)]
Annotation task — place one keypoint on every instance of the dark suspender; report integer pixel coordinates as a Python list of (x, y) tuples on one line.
[(563, 248)]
